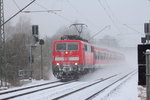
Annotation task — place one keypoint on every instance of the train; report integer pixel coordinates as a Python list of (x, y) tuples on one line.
[(74, 56)]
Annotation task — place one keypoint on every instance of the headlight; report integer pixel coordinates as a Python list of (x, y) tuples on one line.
[(59, 58), (66, 52), (57, 64), (73, 58), (76, 63)]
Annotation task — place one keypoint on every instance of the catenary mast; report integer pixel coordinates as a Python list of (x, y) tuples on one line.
[(2, 42)]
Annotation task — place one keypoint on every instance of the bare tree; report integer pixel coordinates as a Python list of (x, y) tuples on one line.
[(17, 52), (17, 56)]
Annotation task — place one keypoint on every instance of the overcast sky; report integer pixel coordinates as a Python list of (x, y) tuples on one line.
[(126, 17)]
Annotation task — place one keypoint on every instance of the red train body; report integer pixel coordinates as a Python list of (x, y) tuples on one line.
[(72, 58)]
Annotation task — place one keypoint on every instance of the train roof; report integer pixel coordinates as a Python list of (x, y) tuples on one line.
[(67, 41), (73, 41), (96, 47)]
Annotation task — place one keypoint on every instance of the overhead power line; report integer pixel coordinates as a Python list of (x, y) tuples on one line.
[(106, 11), (81, 14), (16, 4), (132, 28), (49, 11), (99, 31), (111, 11), (18, 12), (109, 16), (41, 11), (40, 5)]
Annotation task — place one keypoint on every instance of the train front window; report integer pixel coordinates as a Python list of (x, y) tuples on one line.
[(72, 46), (67, 46), (61, 46)]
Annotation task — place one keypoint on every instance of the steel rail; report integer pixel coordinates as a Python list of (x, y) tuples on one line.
[(94, 95), (15, 90), (90, 85), (33, 91), (62, 96)]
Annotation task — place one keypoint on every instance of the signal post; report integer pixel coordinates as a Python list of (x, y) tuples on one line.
[(144, 60), (148, 73)]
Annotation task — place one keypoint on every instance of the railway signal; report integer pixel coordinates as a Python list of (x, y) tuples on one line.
[(148, 73), (35, 33), (147, 28), (141, 55), (143, 40), (142, 63)]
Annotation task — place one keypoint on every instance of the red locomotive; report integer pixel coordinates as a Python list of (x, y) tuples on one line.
[(73, 56)]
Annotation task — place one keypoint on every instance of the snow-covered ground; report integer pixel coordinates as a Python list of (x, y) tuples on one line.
[(127, 91)]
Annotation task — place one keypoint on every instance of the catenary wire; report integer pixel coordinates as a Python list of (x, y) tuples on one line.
[(17, 13), (113, 15), (129, 27), (111, 11), (16, 4), (109, 16), (81, 14), (53, 12)]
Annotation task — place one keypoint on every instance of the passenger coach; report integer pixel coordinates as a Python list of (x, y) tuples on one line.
[(73, 57)]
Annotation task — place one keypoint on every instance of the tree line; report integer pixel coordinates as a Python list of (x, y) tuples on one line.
[(17, 51)]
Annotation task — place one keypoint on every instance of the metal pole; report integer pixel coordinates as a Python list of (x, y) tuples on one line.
[(148, 74), (147, 38), (30, 62), (41, 63), (2, 39)]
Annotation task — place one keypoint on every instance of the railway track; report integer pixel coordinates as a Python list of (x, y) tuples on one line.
[(118, 82), (74, 90), (23, 88), (10, 94), (98, 87), (89, 85)]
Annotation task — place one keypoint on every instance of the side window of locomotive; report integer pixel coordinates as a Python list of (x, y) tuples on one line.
[(73, 46), (89, 48), (60, 46), (92, 49), (95, 54), (85, 47), (101, 54)]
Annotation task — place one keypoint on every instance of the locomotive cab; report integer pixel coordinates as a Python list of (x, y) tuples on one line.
[(66, 58)]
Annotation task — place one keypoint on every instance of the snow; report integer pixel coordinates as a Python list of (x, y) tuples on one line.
[(126, 91), (82, 95), (33, 83), (57, 91), (28, 90), (142, 92)]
